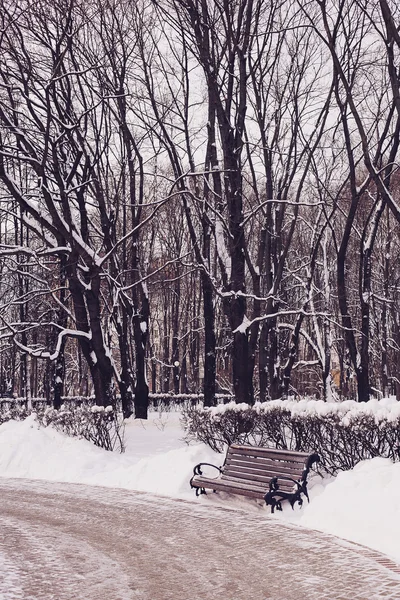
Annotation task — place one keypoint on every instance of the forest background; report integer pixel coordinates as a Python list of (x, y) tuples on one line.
[(199, 196)]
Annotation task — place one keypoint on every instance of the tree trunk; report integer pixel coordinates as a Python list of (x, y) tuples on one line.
[(209, 342), (175, 333), (141, 327)]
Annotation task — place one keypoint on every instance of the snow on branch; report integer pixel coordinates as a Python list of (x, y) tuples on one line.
[(39, 353)]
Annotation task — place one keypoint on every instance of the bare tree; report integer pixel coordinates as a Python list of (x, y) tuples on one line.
[(361, 57), (62, 121)]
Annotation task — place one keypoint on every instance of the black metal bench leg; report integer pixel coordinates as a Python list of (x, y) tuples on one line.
[(272, 502)]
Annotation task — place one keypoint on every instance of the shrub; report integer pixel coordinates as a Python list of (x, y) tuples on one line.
[(11, 410), (341, 433), (104, 427)]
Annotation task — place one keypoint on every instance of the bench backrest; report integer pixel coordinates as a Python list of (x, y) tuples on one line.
[(262, 464)]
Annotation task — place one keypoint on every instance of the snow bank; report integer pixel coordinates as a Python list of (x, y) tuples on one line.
[(361, 505), (156, 460)]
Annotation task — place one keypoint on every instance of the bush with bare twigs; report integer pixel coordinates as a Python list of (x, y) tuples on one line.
[(342, 434), (103, 426)]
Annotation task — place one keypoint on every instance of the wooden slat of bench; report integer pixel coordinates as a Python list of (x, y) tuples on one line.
[(232, 486), (263, 464), (269, 473), (235, 486), (264, 450), (221, 481), (283, 483), (266, 459), (278, 455), (262, 477), (269, 452)]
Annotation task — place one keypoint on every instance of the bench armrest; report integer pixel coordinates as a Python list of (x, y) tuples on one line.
[(197, 470), (275, 496)]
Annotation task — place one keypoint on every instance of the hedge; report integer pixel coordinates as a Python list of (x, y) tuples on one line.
[(342, 433), (104, 427)]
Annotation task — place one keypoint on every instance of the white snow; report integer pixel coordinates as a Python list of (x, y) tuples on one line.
[(221, 245), (156, 458), (243, 327), (362, 505), (385, 409)]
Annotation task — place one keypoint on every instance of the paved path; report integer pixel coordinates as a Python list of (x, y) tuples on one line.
[(73, 542)]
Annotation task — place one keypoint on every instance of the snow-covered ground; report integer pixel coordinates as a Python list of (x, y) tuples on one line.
[(362, 505)]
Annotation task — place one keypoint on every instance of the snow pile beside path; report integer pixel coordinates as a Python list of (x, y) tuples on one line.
[(156, 460), (361, 505)]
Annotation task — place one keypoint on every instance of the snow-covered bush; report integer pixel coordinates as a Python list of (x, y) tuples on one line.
[(10, 410), (104, 427), (77, 417), (342, 433)]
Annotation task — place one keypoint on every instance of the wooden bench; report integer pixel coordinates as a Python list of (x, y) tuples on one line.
[(265, 473)]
